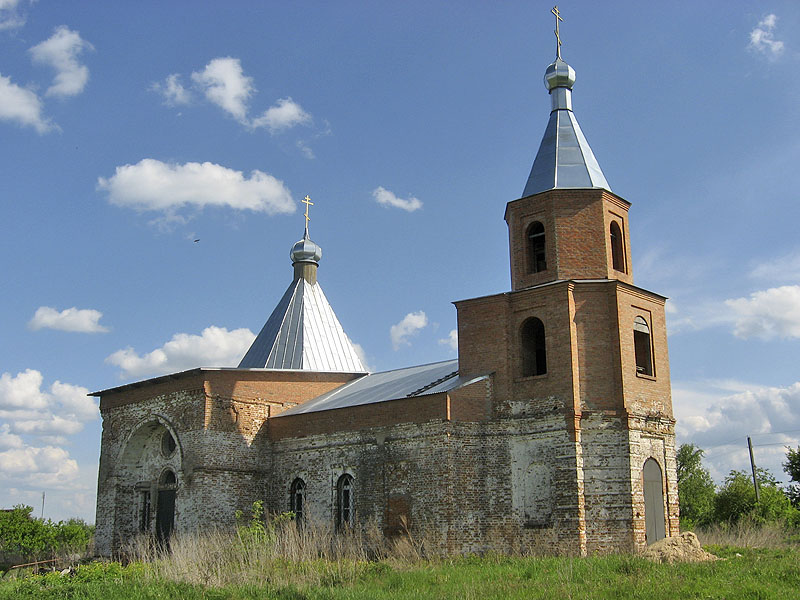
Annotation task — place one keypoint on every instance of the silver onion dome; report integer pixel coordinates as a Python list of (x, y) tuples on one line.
[(559, 74), (306, 251)]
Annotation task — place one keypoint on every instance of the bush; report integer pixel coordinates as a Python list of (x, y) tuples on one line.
[(22, 535), (736, 500)]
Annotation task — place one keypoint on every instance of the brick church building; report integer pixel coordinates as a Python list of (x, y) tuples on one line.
[(552, 431)]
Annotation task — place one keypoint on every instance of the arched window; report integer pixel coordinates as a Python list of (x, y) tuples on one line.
[(297, 499), (617, 253), (642, 347), (537, 260), (534, 356), (344, 501)]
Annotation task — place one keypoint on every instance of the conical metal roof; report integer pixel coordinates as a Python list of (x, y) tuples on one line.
[(565, 159), (303, 333)]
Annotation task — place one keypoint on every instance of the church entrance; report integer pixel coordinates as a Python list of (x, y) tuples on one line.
[(653, 502), (165, 509)]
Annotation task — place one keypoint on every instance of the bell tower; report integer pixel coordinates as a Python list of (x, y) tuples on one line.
[(578, 354)]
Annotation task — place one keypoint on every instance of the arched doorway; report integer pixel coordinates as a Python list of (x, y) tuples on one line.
[(165, 510), (655, 527)]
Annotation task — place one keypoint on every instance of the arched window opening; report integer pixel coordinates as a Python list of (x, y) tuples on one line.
[(167, 479), (642, 346), (344, 501), (617, 252), (537, 259), (534, 355), (655, 523), (297, 499), (165, 507)]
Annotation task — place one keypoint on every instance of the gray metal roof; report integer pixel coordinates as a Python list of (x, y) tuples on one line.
[(303, 333), (565, 159), (389, 385)]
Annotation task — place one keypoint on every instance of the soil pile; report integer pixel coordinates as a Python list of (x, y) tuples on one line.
[(679, 548)]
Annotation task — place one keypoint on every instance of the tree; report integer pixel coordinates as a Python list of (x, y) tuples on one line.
[(792, 468), (737, 499), (695, 487)]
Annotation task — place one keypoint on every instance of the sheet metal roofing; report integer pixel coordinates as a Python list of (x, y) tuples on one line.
[(565, 159), (389, 385), (303, 333)]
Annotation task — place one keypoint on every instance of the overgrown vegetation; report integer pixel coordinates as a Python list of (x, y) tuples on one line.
[(26, 538), (705, 506)]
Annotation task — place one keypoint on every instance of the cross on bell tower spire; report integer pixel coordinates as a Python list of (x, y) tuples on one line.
[(557, 14)]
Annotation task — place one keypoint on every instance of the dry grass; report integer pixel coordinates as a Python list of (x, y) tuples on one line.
[(280, 554), (746, 534)]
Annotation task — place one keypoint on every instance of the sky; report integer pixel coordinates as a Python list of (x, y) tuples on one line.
[(153, 156)]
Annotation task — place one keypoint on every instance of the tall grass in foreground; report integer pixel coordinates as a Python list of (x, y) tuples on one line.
[(275, 552), (746, 534)]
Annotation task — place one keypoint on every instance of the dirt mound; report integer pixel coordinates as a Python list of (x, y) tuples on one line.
[(679, 548)]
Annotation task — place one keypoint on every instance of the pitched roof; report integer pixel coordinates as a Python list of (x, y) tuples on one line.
[(410, 382), (564, 159), (303, 333)]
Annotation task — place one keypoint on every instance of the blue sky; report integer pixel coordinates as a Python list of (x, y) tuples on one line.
[(129, 130)]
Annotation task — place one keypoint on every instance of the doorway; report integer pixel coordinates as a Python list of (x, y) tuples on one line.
[(655, 526)]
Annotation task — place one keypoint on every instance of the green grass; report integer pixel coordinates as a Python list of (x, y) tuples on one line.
[(757, 574)]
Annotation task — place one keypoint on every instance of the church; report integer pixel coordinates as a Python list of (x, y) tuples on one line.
[(551, 432)]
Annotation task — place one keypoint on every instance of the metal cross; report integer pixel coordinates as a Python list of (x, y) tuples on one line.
[(558, 34), (307, 201)]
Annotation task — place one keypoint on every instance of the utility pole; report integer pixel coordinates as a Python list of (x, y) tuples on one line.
[(753, 468), (42, 505)]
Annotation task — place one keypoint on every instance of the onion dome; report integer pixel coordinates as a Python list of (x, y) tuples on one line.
[(306, 251), (559, 74)]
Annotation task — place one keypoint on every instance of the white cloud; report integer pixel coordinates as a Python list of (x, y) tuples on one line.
[(28, 409), (226, 85), (387, 198), (285, 114), (411, 324), (22, 106), (214, 347), (782, 269), (362, 356), (84, 320), (48, 467), (768, 313), (762, 37), (8, 439), (172, 90), (154, 185), (718, 416), (9, 17), (61, 51), (451, 340)]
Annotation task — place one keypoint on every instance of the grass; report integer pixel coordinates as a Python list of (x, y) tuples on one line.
[(278, 561)]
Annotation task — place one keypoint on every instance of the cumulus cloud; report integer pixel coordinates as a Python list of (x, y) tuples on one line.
[(767, 314), (8, 439), (215, 346), (762, 38), (83, 320), (386, 198), (22, 106), (9, 15), (154, 185), (285, 114), (718, 416), (172, 90), (29, 409), (451, 340), (47, 467), (411, 325), (61, 51), (225, 84)]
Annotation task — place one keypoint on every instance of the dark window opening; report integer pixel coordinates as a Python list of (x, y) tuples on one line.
[(534, 355), (167, 479), (144, 511), (344, 502), (617, 253), (642, 347), (168, 444), (537, 260), (297, 499)]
